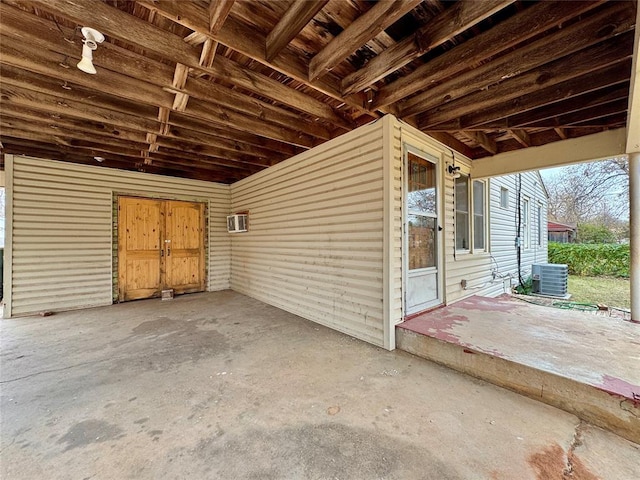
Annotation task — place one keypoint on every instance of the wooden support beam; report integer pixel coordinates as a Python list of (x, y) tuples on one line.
[(582, 63), (218, 12), (28, 90), (453, 143), (448, 24), (112, 83), (383, 14), (292, 22), (561, 133), (163, 165), (504, 36), (250, 42), (521, 136), (572, 95), (483, 140), (566, 41), (127, 28), (75, 136)]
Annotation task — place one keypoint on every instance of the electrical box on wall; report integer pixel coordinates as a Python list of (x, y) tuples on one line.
[(237, 223)]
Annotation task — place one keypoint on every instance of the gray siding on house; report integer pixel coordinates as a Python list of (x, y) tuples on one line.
[(315, 240), (60, 224)]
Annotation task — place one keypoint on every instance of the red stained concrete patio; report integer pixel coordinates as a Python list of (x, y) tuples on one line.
[(585, 363)]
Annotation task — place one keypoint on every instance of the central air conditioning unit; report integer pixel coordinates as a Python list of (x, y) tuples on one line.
[(550, 279), (237, 223)]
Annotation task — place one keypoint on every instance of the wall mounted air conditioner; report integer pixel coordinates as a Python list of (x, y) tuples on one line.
[(237, 223), (550, 279)]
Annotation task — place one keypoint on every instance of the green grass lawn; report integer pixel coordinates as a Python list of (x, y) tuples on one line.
[(613, 292)]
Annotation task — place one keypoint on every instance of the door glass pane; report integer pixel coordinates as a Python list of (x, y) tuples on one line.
[(421, 196), (422, 241)]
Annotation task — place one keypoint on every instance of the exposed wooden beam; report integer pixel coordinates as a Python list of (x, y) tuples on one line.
[(483, 140), (535, 54), (292, 22), (548, 102), (28, 90), (504, 36), (581, 63), (118, 24), (383, 14), (218, 12), (84, 155), (561, 133), (521, 136), (452, 142), (85, 136), (250, 42), (139, 91), (456, 19)]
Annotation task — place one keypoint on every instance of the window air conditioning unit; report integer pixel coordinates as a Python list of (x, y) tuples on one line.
[(550, 279), (237, 223)]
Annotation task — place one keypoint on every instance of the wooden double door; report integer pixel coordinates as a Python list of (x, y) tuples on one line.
[(160, 247)]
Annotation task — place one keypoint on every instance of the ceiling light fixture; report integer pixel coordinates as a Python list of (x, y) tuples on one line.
[(91, 40)]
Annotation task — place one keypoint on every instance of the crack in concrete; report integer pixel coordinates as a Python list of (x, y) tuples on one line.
[(576, 441), (53, 370)]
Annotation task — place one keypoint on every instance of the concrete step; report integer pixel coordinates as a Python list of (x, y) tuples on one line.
[(613, 408)]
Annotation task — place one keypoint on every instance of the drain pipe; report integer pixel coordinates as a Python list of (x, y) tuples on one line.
[(634, 240)]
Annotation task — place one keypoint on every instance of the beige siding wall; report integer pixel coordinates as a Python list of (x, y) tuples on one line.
[(418, 141), (60, 223), (477, 269), (398, 212), (315, 240)]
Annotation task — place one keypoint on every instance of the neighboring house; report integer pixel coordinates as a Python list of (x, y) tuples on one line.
[(561, 233), (356, 234)]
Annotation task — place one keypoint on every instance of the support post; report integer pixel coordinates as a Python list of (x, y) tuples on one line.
[(634, 219)]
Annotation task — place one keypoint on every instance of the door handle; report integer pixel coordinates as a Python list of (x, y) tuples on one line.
[(168, 251)]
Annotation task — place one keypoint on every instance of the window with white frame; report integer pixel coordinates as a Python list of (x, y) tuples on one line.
[(504, 197), (470, 214), (526, 223), (540, 224)]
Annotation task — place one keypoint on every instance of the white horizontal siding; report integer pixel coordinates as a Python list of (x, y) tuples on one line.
[(61, 224), (315, 240), (477, 269)]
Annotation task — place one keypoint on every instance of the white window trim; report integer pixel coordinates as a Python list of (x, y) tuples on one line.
[(541, 236), (470, 218), (504, 190)]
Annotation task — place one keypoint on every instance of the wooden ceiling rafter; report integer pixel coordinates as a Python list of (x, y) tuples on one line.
[(581, 63), (361, 31), (566, 41), (226, 88), (444, 27), (538, 18)]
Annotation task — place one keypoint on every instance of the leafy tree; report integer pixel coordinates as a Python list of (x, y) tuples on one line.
[(595, 233), (585, 192)]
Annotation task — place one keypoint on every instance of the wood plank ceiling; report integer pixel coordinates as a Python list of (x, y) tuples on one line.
[(219, 90)]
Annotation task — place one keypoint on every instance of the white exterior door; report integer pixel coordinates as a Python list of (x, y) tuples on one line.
[(422, 233)]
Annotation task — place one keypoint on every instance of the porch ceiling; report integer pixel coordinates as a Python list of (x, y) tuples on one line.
[(218, 91)]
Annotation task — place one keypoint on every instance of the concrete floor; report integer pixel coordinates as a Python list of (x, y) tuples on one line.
[(218, 385)]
